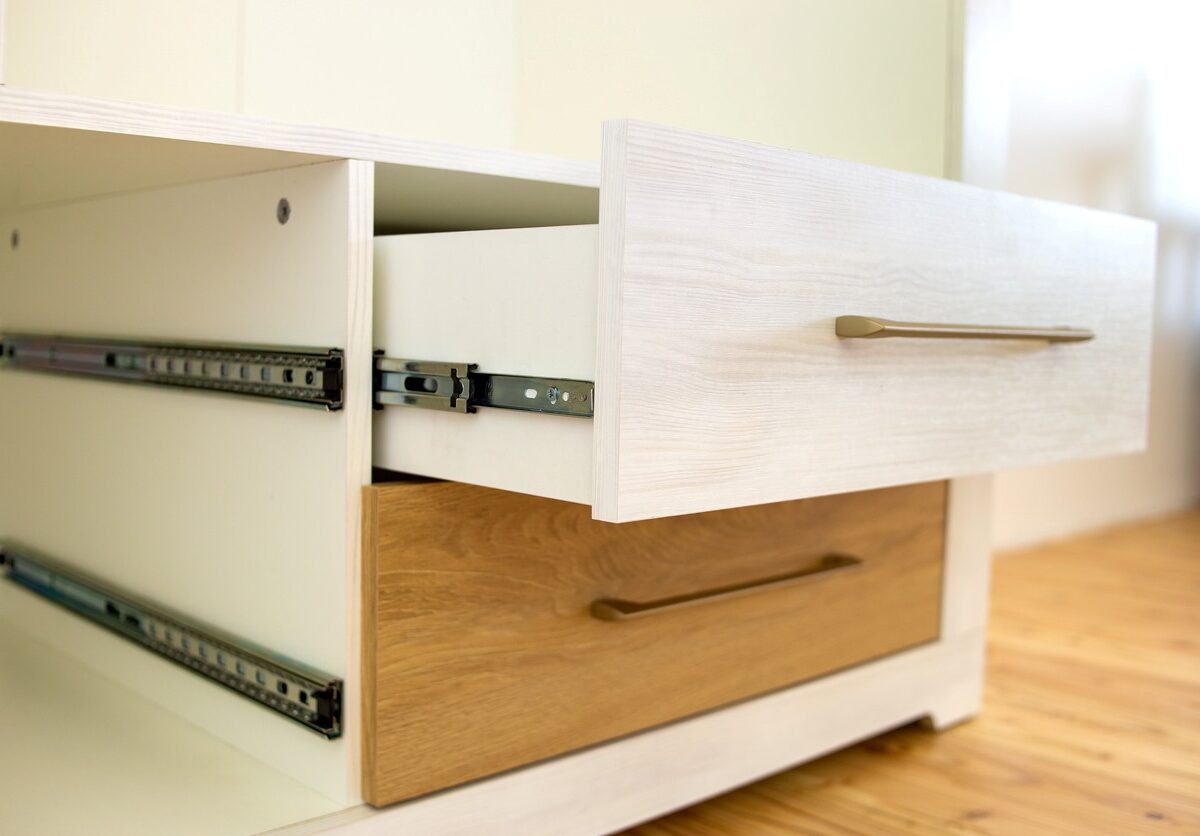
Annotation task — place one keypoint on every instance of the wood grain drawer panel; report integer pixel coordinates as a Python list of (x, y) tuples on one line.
[(481, 653), (703, 306)]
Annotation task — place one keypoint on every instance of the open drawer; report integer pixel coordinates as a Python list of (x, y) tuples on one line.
[(706, 308), (502, 629)]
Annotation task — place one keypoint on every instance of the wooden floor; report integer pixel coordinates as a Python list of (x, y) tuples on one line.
[(1091, 720)]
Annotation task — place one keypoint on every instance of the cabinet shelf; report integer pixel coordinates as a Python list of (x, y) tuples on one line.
[(82, 753)]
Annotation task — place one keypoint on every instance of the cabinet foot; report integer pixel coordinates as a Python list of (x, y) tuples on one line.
[(950, 715)]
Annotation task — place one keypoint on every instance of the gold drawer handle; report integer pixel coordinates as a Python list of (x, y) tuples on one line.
[(872, 327), (614, 609)]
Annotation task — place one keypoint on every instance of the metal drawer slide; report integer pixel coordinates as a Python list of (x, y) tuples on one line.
[(301, 693), (459, 387), (295, 375)]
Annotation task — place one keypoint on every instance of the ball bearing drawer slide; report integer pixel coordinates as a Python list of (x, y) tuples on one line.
[(459, 387), (295, 375), (306, 695)]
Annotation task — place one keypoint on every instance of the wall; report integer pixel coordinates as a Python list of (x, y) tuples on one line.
[(429, 70), (860, 79), (3, 17), (863, 79), (1103, 114)]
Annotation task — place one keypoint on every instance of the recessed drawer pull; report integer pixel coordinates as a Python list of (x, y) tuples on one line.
[(615, 609), (872, 327)]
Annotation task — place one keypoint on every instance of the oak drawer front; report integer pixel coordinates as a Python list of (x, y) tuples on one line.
[(502, 629)]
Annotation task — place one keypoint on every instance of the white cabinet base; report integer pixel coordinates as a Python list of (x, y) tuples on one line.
[(615, 786)]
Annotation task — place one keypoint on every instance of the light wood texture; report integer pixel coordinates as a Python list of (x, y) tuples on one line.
[(83, 754), (720, 381), (56, 147), (236, 512), (57, 110), (615, 785), (486, 656), (359, 381), (516, 302), (1091, 723)]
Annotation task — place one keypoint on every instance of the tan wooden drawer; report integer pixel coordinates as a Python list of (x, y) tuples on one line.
[(484, 648), (704, 307)]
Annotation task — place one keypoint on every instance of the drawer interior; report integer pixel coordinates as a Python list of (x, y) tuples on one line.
[(502, 629), (515, 302)]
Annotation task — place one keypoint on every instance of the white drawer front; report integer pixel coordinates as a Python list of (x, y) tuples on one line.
[(723, 267), (704, 308)]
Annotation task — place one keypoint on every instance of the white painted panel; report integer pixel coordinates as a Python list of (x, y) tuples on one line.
[(85, 755), (610, 787), (515, 301), (233, 511), (202, 262), (41, 165), (720, 381)]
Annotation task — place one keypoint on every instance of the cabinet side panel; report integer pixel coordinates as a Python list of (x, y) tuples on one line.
[(230, 510), (359, 360)]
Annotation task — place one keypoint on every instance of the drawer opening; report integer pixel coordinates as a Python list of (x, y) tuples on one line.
[(411, 199), (500, 324), (381, 476), (500, 315)]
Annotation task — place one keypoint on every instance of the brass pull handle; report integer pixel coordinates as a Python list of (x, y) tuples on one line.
[(872, 327), (615, 609)]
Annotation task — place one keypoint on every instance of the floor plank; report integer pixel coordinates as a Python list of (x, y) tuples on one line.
[(1091, 720)]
